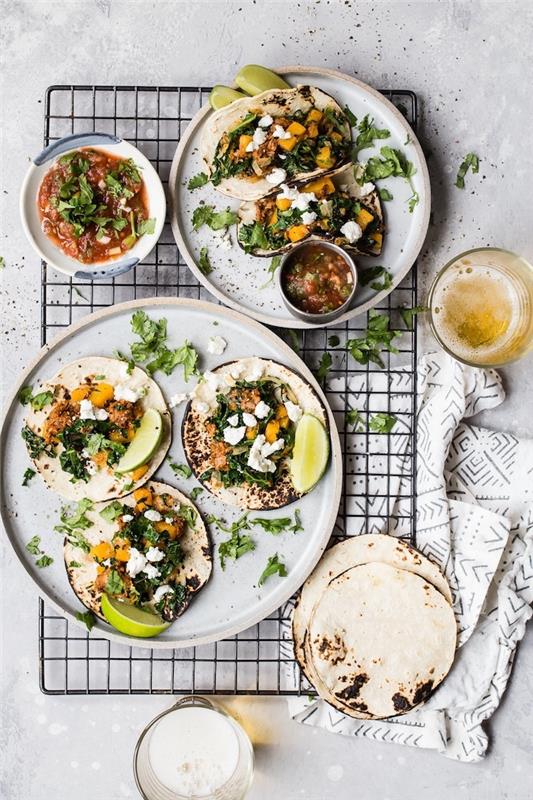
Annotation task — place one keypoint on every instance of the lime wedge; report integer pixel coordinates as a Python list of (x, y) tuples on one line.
[(131, 620), (310, 455), (221, 96), (144, 444), (254, 79)]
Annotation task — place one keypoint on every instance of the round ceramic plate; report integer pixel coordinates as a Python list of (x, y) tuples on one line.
[(231, 601), (237, 279)]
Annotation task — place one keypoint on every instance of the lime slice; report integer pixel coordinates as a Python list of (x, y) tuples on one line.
[(131, 620), (144, 444), (254, 79), (310, 455), (221, 96)]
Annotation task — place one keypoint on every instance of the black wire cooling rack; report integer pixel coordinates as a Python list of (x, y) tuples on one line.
[(379, 468)]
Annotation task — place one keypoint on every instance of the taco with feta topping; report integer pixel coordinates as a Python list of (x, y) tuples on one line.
[(239, 431), (150, 549), (335, 208), (283, 135), (99, 430)]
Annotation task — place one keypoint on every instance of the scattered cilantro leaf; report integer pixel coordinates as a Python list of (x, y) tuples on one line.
[(87, 617), (145, 226), (235, 547), (370, 276), (274, 264), (382, 423), (274, 566), (188, 514), (391, 163), (384, 194), (324, 366), (2, 262), (28, 475), (350, 116), (153, 335), (114, 583), (74, 564), (408, 314), (203, 262), (197, 181), (113, 511), (277, 525), (216, 220), (181, 469), (354, 418), (367, 133), (413, 201), (74, 521), (470, 161), (34, 545), (44, 561), (378, 336), (25, 395), (39, 401), (194, 493)]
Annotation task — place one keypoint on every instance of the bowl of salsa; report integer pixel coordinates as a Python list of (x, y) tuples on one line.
[(317, 281), (92, 205)]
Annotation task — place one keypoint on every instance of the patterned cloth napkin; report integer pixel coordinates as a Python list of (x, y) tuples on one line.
[(475, 519)]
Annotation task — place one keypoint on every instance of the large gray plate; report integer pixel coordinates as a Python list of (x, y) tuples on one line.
[(238, 279), (231, 601)]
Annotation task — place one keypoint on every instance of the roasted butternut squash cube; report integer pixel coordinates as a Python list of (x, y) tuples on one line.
[(314, 115), (312, 130), (251, 433), (273, 217), (296, 128), (283, 203), (377, 238), (166, 527), (144, 495), (272, 430), (324, 159), (137, 474), (244, 141), (297, 232), (101, 395), (122, 553), (336, 136), (81, 393), (288, 144), (321, 187), (363, 218), (102, 551)]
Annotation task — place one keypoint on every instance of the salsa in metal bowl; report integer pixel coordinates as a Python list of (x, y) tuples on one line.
[(317, 278), (93, 205)]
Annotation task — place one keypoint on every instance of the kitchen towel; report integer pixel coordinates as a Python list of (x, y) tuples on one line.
[(475, 519)]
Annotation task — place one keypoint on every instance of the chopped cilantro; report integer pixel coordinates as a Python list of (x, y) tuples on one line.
[(470, 161), (197, 180), (350, 116), (194, 493), (382, 423), (377, 337), (153, 335), (203, 262), (324, 366), (28, 475), (274, 264), (87, 617), (181, 469), (25, 395), (354, 418), (384, 194), (367, 133), (111, 512), (34, 545), (114, 583), (274, 566), (44, 561), (408, 314), (216, 220)]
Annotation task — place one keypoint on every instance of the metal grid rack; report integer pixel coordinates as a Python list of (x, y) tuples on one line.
[(259, 660)]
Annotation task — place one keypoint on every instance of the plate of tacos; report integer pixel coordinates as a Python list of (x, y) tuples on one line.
[(315, 156), (172, 491)]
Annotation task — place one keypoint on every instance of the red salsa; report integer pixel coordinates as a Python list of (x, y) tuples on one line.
[(93, 205), (317, 279)]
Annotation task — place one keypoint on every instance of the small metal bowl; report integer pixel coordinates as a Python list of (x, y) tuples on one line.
[(327, 316)]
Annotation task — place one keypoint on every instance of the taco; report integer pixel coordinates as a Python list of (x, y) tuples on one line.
[(283, 135), (239, 429), (87, 417), (150, 548), (335, 208)]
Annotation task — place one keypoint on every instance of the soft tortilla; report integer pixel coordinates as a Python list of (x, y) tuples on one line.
[(346, 179), (274, 102), (381, 640), (104, 484), (193, 573), (196, 442)]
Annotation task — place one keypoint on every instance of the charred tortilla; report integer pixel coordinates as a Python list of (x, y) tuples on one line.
[(90, 573), (308, 135), (228, 398)]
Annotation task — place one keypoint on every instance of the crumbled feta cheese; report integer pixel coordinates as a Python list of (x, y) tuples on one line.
[(266, 121), (154, 554), (294, 412), (234, 435), (86, 410), (280, 133), (125, 392), (236, 370), (303, 200), (176, 399), (151, 572), (100, 414), (288, 192), (308, 217), (169, 520), (233, 420), (224, 237), (201, 407), (153, 515), (204, 394), (352, 231), (273, 447), (249, 420), (362, 191), (216, 345), (262, 410), (276, 177), (127, 517), (161, 591), (106, 562), (258, 139), (136, 562), (91, 467), (254, 370), (259, 452)]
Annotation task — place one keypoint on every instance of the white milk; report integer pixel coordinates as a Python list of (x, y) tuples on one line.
[(193, 751)]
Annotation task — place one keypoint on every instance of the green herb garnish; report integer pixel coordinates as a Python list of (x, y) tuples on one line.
[(34, 545), (204, 263), (367, 133), (194, 493), (181, 469), (324, 366), (274, 264), (382, 423), (392, 163), (28, 475), (87, 617), (113, 511), (197, 180), (408, 315), (470, 161), (377, 337), (384, 194), (216, 220), (25, 395), (153, 335), (350, 116), (274, 567), (44, 561), (74, 521), (354, 418), (114, 583)]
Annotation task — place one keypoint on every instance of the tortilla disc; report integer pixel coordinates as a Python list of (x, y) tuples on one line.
[(194, 572), (197, 450), (275, 102), (104, 484), (381, 640)]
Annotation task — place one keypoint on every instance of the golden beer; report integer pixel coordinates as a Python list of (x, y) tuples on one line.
[(481, 307)]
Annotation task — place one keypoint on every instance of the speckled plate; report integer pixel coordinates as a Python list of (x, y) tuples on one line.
[(237, 279), (231, 601)]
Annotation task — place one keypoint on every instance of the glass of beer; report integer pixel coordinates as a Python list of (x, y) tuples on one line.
[(481, 307)]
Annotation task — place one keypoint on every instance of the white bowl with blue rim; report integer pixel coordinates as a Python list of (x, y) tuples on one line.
[(45, 247)]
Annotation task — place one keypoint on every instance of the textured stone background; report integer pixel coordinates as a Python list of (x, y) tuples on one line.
[(470, 64)]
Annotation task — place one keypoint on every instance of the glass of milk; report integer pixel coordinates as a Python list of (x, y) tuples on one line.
[(193, 751)]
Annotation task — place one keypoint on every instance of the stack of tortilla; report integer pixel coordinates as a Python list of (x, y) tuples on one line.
[(374, 629)]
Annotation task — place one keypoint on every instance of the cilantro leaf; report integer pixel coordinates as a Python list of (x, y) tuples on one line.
[(111, 512), (181, 469), (203, 262), (370, 275), (470, 161), (197, 180), (252, 237), (235, 547), (25, 395), (28, 475), (274, 566), (87, 618), (44, 561), (324, 366), (408, 314), (34, 545), (350, 116), (145, 226), (188, 514), (377, 337), (382, 423), (216, 220), (274, 264), (367, 133), (354, 418), (384, 194), (275, 525), (114, 583), (74, 521), (194, 493)]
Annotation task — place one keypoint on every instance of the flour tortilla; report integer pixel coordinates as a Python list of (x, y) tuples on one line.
[(104, 484), (274, 102), (381, 640), (194, 572), (248, 215), (354, 551), (196, 440)]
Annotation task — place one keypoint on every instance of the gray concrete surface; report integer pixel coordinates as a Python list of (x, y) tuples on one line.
[(470, 64)]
